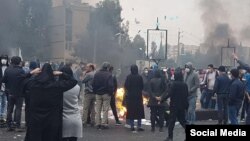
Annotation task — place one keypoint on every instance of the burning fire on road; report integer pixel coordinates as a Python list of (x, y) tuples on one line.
[(122, 110)]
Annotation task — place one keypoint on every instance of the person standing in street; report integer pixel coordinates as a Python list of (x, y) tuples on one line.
[(191, 78), (209, 81), (103, 88), (46, 104), (72, 122), (112, 101), (12, 79), (221, 89), (3, 96), (247, 92), (135, 108), (89, 95), (156, 92), (178, 94), (236, 95)]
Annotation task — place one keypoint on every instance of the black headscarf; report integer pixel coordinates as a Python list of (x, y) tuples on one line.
[(178, 76), (134, 69), (46, 75), (33, 65), (66, 70)]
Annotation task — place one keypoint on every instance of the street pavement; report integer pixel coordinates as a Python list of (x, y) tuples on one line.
[(114, 133)]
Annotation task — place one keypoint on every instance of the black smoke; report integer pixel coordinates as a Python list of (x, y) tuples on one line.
[(217, 29), (9, 23)]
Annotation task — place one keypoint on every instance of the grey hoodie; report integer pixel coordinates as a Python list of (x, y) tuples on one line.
[(192, 80)]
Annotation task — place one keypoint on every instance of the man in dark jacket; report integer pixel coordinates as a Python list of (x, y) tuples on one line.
[(103, 88), (178, 94), (157, 90), (236, 95), (247, 93), (12, 79), (221, 88)]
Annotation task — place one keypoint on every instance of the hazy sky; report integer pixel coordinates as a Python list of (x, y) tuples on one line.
[(180, 14)]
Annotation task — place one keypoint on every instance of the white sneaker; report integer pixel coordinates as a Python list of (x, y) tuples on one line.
[(127, 126)]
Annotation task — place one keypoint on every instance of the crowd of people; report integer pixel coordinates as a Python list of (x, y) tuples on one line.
[(52, 94)]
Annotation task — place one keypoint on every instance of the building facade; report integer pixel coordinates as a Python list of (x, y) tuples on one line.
[(67, 23)]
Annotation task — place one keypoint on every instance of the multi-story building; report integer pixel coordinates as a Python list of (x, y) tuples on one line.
[(67, 23)]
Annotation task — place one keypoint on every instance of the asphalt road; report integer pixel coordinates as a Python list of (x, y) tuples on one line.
[(115, 133)]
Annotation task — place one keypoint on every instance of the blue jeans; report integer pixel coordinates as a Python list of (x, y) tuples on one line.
[(222, 101), (3, 104), (203, 98), (248, 115), (209, 102), (132, 123), (191, 109), (233, 114)]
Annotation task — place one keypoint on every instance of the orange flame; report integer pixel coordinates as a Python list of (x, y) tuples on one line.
[(119, 100), (122, 110)]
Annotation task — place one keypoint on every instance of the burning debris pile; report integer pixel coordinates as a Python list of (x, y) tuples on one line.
[(120, 95), (120, 103)]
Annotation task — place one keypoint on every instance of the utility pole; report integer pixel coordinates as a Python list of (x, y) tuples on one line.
[(95, 45), (179, 37), (178, 44)]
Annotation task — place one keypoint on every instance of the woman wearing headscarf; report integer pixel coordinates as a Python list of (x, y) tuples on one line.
[(135, 109), (46, 104), (26, 83), (72, 122)]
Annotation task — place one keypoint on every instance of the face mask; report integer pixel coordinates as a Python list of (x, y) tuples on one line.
[(4, 61), (187, 70), (146, 72), (243, 71)]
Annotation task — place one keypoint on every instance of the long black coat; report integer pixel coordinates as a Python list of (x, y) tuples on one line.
[(46, 105), (134, 86)]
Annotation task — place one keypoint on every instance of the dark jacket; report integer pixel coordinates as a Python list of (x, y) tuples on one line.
[(103, 83), (13, 78), (178, 94), (133, 87), (46, 105), (236, 92), (222, 84), (114, 84), (157, 89), (244, 65)]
